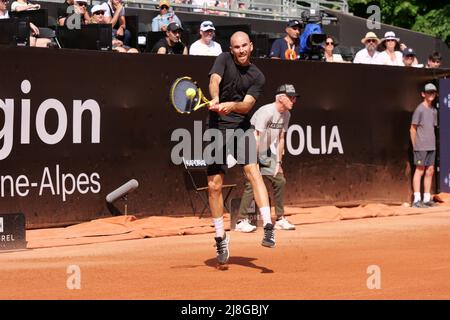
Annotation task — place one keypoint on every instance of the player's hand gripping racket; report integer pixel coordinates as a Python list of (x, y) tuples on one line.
[(186, 96)]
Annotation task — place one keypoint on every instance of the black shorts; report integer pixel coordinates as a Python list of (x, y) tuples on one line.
[(424, 158), (240, 143)]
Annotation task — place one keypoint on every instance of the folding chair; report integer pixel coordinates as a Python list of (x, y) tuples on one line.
[(196, 179)]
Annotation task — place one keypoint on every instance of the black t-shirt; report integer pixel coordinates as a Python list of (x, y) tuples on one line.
[(178, 48), (237, 82)]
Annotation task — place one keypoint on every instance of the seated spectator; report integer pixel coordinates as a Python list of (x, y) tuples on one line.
[(328, 51), (115, 15), (3, 11), (288, 48), (241, 7), (70, 8), (390, 56), (434, 60), (34, 40), (369, 54), (98, 16), (171, 44), (206, 46), (164, 18), (410, 58), (24, 5), (403, 46)]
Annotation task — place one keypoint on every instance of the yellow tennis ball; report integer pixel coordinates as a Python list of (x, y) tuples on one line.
[(190, 93)]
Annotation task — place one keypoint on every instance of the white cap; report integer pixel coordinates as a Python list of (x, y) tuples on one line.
[(429, 87), (207, 25), (99, 7)]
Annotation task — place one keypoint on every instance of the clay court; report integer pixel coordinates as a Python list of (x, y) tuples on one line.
[(319, 260)]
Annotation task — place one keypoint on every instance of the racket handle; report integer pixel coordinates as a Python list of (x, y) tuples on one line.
[(201, 106)]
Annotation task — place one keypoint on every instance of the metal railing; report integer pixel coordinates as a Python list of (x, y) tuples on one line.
[(262, 9)]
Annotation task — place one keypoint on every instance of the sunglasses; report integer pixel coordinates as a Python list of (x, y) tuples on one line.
[(371, 40), (389, 40), (164, 7), (82, 4), (328, 43), (97, 13)]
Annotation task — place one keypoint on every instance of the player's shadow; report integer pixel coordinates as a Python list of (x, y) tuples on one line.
[(241, 261)]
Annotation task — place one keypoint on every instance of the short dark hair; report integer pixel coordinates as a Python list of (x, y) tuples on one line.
[(435, 56)]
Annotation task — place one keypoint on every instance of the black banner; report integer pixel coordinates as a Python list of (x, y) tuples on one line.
[(77, 125)]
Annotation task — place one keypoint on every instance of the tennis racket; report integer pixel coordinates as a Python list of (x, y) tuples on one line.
[(186, 96)]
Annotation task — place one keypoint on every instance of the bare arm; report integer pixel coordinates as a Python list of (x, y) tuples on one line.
[(113, 20), (257, 139), (280, 147), (161, 50), (34, 30), (122, 22), (242, 107), (214, 82), (86, 17), (27, 7), (280, 152), (412, 133)]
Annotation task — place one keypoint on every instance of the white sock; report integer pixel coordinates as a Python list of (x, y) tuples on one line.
[(265, 214), (426, 197), (218, 225), (416, 196)]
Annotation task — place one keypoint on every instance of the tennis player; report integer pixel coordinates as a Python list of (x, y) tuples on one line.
[(235, 85)]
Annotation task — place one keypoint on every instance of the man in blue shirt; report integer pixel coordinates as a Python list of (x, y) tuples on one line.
[(288, 48)]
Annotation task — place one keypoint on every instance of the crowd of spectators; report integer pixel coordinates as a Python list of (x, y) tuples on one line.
[(388, 50)]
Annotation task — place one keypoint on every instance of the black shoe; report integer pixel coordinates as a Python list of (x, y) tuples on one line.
[(222, 249), (430, 203), (269, 236), (420, 205)]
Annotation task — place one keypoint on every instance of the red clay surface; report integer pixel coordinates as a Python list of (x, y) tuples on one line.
[(317, 261)]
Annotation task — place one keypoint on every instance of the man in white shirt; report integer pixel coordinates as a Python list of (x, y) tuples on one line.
[(206, 46), (271, 122), (369, 54)]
